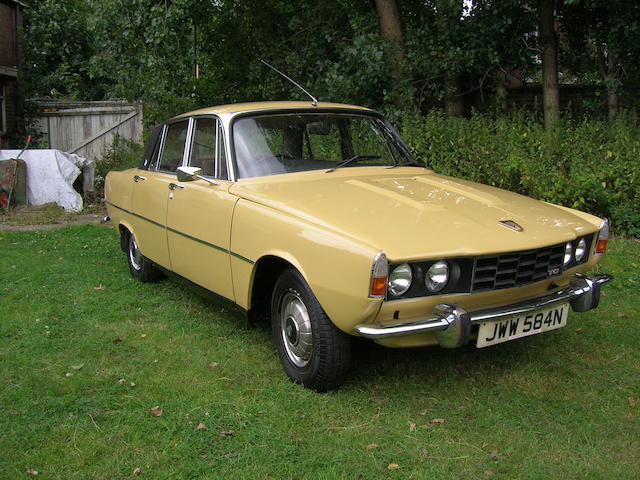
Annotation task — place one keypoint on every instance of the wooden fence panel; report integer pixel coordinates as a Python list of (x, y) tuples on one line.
[(88, 128)]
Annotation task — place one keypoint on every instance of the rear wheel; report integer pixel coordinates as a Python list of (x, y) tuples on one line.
[(312, 350), (140, 266)]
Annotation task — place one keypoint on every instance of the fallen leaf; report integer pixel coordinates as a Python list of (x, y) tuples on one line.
[(100, 287), (213, 364), (201, 426), (32, 472), (156, 411), (393, 466), (85, 246), (578, 330), (116, 340), (137, 471), (632, 401), (132, 385), (68, 374), (485, 445), (143, 335), (438, 420), (78, 367), (227, 433), (412, 427), (622, 315), (121, 381), (372, 446)]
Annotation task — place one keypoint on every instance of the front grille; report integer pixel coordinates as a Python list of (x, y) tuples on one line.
[(515, 269)]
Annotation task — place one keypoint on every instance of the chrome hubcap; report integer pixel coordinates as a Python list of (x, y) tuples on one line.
[(295, 329), (135, 256)]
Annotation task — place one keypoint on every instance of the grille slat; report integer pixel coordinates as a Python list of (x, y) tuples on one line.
[(515, 269)]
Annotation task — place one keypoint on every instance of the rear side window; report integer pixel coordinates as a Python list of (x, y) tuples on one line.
[(173, 150)]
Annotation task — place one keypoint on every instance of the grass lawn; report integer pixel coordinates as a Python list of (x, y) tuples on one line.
[(86, 353)]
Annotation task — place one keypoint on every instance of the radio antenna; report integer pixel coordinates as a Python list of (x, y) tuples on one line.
[(314, 101)]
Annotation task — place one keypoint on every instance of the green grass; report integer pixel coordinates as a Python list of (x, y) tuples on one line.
[(555, 406)]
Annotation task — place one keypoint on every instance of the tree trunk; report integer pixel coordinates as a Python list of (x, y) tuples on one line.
[(392, 32), (549, 46), (453, 101), (501, 91), (613, 99)]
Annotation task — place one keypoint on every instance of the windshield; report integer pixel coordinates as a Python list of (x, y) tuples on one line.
[(297, 142)]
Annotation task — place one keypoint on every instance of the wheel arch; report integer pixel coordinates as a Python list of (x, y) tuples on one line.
[(125, 229), (266, 271)]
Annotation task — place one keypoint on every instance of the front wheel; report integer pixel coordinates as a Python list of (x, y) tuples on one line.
[(139, 265), (312, 350)]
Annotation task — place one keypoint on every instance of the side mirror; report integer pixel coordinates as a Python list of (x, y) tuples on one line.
[(189, 174)]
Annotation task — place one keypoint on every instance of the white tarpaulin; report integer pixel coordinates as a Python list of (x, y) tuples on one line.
[(50, 176)]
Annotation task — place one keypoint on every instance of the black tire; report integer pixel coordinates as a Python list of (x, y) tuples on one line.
[(140, 266), (312, 350)]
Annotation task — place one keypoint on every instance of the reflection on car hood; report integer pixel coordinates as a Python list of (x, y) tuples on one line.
[(413, 213)]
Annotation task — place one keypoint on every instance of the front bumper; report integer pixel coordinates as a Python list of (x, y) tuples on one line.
[(452, 323)]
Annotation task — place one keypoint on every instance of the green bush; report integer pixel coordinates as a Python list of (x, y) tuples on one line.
[(591, 165), (122, 154)]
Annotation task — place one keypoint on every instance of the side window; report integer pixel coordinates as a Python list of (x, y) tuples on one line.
[(150, 157), (203, 148), (173, 150), (207, 147)]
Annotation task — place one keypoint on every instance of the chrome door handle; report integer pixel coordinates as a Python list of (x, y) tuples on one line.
[(137, 178), (173, 186)]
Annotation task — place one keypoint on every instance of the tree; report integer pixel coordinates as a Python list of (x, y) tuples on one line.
[(604, 38)]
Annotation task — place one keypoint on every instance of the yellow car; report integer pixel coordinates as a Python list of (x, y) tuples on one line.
[(316, 217)]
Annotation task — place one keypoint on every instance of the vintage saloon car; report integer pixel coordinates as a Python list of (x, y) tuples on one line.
[(317, 217)]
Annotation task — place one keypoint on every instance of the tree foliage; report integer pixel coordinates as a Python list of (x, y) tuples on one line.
[(181, 54)]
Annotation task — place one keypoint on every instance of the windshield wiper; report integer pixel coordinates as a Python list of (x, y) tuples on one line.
[(409, 164), (355, 158)]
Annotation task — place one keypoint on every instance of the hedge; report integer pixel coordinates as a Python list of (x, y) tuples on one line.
[(591, 165)]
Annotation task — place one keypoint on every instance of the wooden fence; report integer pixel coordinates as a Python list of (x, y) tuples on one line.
[(87, 128)]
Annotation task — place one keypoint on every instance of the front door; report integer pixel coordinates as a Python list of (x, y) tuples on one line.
[(199, 214)]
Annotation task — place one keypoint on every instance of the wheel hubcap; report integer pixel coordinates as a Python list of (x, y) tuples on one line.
[(295, 328), (135, 256)]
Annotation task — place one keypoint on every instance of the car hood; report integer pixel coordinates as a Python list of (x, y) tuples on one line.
[(414, 213)]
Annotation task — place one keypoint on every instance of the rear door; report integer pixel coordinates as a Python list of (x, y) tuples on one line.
[(199, 213), (151, 191)]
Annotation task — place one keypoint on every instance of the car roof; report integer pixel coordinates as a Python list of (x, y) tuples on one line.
[(262, 106)]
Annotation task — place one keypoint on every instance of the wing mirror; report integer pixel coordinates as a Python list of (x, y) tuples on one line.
[(189, 174)]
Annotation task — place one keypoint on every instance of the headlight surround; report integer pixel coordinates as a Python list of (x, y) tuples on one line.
[(437, 276), (581, 250), (400, 280), (568, 254)]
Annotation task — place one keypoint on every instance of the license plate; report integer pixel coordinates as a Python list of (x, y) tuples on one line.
[(523, 325)]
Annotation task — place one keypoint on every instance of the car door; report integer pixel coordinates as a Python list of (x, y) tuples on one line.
[(199, 213), (151, 191)]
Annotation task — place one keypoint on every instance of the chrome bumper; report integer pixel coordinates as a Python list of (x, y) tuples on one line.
[(452, 324)]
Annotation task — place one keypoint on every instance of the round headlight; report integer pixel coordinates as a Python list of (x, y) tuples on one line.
[(437, 276), (400, 280), (581, 249), (568, 254)]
